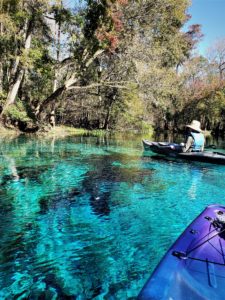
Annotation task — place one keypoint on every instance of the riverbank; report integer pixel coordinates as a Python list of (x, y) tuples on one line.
[(57, 131), (5, 132), (64, 131)]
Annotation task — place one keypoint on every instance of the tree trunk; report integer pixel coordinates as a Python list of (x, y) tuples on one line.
[(68, 83), (14, 89), (106, 121), (19, 72), (55, 83), (1, 77), (53, 97)]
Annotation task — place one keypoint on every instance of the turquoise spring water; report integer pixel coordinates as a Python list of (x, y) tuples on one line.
[(89, 217)]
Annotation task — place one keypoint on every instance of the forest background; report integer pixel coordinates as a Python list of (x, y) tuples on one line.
[(107, 64)]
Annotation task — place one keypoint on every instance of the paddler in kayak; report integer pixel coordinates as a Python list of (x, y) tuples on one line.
[(195, 138)]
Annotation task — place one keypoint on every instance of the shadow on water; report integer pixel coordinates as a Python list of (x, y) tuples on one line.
[(67, 199), (101, 183)]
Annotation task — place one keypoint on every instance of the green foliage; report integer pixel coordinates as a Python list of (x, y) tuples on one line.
[(213, 107), (142, 46), (61, 14), (17, 112), (171, 16), (103, 24), (130, 111), (3, 97)]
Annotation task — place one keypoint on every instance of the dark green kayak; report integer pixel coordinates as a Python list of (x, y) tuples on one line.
[(175, 150)]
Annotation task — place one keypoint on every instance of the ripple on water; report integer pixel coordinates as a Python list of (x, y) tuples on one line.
[(85, 218)]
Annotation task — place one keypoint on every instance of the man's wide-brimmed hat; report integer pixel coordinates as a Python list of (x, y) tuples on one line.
[(195, 125)]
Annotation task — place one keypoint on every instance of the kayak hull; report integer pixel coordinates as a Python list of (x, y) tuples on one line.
[(175, 150), (194, 267)]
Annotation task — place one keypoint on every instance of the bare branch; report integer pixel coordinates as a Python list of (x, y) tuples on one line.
[(48, 17), (97, 85), (71, 81), (97, 53)]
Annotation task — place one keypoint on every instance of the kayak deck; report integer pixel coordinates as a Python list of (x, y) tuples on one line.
[(194, 267)]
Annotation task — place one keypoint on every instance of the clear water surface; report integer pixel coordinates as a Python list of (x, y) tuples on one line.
[(89, 217)]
